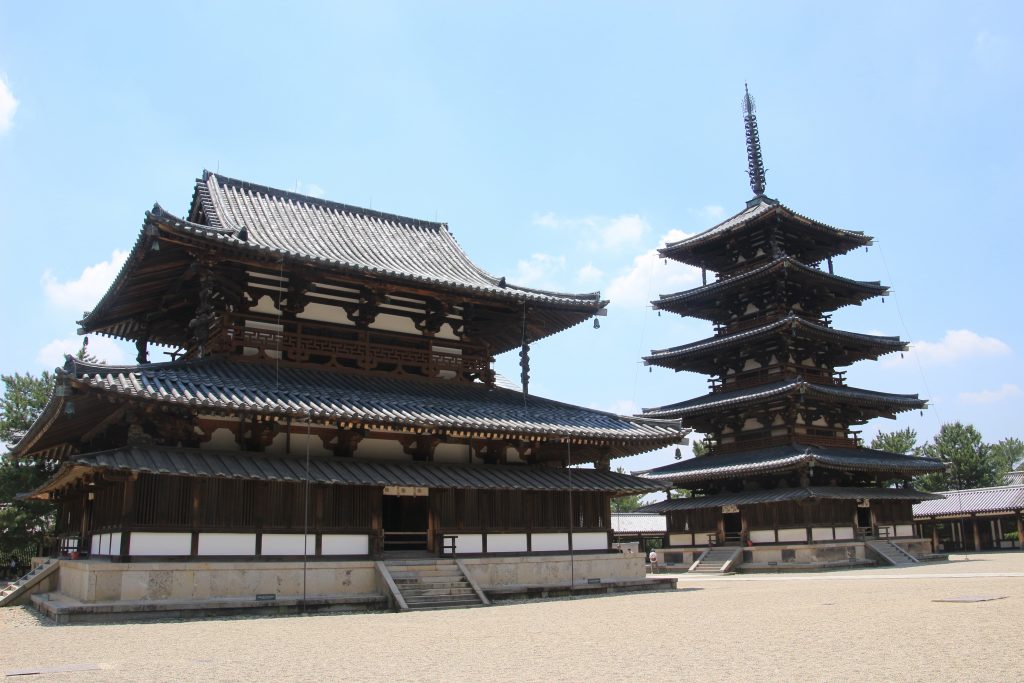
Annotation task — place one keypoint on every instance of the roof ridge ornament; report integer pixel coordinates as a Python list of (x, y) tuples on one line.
[(755, 164)]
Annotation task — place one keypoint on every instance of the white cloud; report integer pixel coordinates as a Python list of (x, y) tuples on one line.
[(589, 274), (539, 270), (601, 232), (107, 350), (648, 277), (85, 292), (991, 395), (957, 345), (8, 105)]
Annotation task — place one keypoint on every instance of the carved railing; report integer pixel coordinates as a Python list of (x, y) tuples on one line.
[(363, 349), (770, 441)]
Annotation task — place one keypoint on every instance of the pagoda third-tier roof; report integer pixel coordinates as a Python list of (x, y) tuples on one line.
[(882, 402), (704, 356), (789, 458), (827, 290), (713, 248), (358, 400), (256, 224)]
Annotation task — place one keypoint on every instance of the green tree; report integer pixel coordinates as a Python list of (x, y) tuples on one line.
[(700, 448), (23, 524), (625, 503), (1009, 453), (903, 441), (970, 462)]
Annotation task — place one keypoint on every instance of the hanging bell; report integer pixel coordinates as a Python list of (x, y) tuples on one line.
[(659, 314), (597, 324)]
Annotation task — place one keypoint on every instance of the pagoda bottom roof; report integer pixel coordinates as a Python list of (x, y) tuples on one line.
[(788, 494)]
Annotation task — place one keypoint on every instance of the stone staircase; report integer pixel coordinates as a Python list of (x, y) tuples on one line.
[(718, 560), (17, 592), (892, 553), (432, 583)]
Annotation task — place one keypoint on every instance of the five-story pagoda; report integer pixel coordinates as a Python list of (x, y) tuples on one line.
[(784, 465)]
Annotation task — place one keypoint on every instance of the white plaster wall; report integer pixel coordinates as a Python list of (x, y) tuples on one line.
[(222, 439), (287, 544), (821, 534), (300, 440), (680, 539), (279, 445), (227, 544), (265, 305), (382, 449), (152, 543), (904, 529), (506, 543), (446, 332), (469, 543), (792, 535), (512, 455), (885, 530), (844, 533), (325, 313), (395, 323), (762, 536), (590, 540), (114, 544), (94, 545), (451, 452), (345, 544), (546, 542)]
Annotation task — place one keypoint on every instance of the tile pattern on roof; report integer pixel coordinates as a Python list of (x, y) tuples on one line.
[(781, 458), (972, 501), (220, 384), (351, 471), (780, 495)]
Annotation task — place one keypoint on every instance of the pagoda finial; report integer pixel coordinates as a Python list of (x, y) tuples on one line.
[(755, 165)]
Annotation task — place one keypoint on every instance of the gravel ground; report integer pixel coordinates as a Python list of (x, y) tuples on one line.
[(869, 624)]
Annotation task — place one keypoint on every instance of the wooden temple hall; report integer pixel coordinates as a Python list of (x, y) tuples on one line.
[(330, 396), (786, 477)]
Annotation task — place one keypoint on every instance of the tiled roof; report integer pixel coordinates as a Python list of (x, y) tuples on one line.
[(783, 458), (847, 340), (637, 523), (371, 400), (231, 465), (753, 210), (780, 495), (783, 264), (973, 501), (848, 395), (1015, 478), (337, 234)]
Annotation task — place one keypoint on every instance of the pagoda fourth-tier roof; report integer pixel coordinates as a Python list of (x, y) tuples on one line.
[(872, 403), (705, 356), (805, 238), (823, 291), (353, 400), (242, 222), (789, 458)]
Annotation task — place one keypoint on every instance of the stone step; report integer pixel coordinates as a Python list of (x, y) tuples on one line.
[(420, 603)]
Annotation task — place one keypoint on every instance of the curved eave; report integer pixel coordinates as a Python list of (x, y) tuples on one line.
[(783, 495), (696, 250), (720, 401), (550, 312), (704, 301), (700, 356)]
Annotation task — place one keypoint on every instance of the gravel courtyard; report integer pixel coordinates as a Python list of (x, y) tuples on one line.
[(870, 624)]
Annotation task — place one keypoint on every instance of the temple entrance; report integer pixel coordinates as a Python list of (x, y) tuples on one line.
[(864, 521), (732, 526), (405, 518)]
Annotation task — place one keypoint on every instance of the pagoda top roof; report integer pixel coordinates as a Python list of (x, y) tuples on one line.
[(720, 400), (359, 400), (676, 356), (790, 457), (697, 248)]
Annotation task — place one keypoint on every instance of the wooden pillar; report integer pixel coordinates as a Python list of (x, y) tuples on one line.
[(377, 541), (128, 507), (1020, 529), (196, 518), (935, 536), (977, 534)]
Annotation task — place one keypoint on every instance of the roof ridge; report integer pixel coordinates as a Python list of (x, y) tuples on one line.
[(319, 201)]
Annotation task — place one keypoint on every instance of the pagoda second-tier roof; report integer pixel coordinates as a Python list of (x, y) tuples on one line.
[(257, 224), (346, 471), (788, 458), (731, 400), (787, 494), (702, 356), (830, 291), (714, 247), (363, 400)]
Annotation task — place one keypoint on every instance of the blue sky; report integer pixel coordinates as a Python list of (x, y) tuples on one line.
[(562, 142)]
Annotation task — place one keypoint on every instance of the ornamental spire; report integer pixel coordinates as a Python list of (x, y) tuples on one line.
[(755, 165)]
